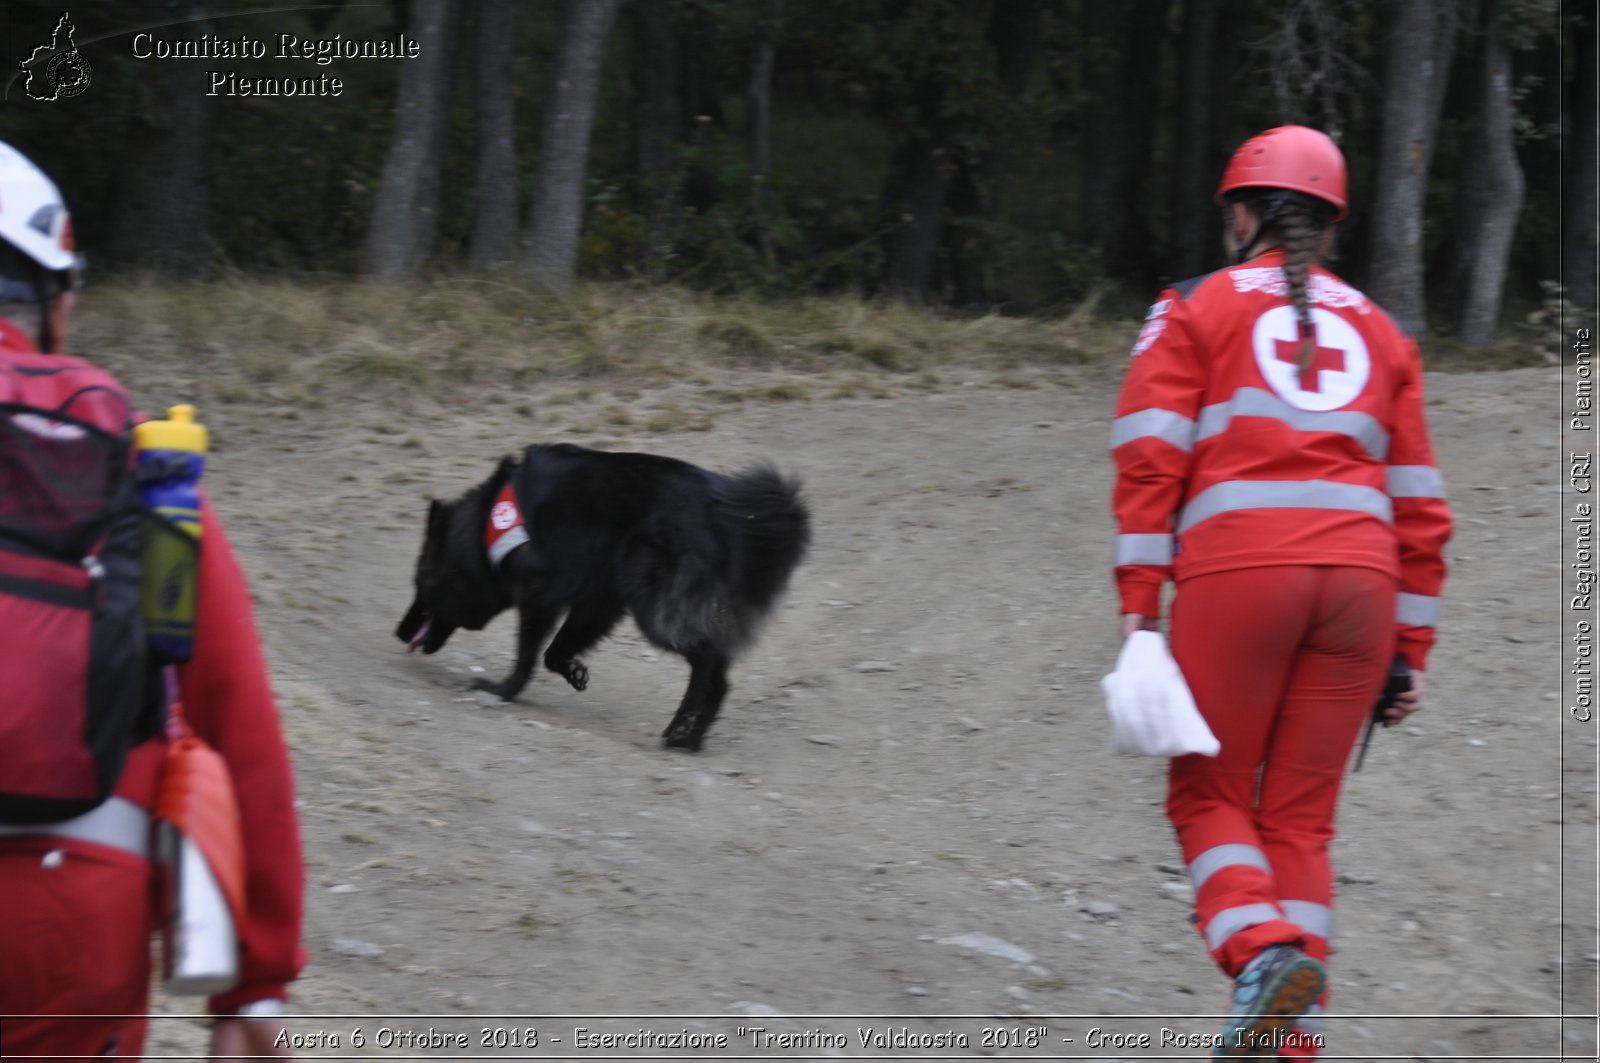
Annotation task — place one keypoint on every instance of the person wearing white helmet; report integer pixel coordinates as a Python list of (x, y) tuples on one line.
[(77, 893), (39, 266)]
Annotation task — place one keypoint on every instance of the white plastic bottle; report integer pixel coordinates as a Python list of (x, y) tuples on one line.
[(199, 949)]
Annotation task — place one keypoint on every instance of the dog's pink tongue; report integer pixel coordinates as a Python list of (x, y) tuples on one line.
[(422, 633)]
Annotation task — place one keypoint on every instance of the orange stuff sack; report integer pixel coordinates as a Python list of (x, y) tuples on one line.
[(196, 796)]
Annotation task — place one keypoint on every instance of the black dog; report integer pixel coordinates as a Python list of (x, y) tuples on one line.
[(697, 557)]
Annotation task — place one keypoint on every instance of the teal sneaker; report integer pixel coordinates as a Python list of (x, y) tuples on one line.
[(1270, 995)]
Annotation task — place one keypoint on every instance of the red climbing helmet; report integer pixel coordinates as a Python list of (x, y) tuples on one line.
[(1292, 157)]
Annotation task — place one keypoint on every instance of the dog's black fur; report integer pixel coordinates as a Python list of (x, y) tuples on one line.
[(698, 559)]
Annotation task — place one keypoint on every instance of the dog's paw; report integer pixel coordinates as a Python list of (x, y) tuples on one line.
[(682, 737), (489, 686), (577, 674)]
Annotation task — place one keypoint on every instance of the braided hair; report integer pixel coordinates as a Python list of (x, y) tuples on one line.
[(1295, 222)]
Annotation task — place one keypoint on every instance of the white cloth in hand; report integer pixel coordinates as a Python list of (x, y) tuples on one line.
[(1152, 712)]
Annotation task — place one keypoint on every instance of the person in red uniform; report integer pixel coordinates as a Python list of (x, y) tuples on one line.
[(76, 898), (1273, 459)]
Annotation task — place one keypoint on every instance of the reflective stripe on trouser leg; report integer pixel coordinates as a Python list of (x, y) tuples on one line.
[(1236, 664), (1225, 924), (1315, 919), (1308, 1036), (1235, 897), (1330, 694), (1262, 649), (1233, 867), (1317, 922), (1213, 860)]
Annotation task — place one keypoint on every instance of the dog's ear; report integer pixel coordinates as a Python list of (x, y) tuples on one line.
[(436, 514), (504, 470)]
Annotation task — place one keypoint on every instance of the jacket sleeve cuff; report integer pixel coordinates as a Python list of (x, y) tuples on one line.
[(1413, 643), (1140, 594)]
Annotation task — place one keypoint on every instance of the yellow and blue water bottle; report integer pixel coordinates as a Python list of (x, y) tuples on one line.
[(172, 454)]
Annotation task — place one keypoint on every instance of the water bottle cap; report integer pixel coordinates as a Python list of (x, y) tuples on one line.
[(178, 432)]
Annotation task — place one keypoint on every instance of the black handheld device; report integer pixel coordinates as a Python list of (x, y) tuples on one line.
[(1398, 683)]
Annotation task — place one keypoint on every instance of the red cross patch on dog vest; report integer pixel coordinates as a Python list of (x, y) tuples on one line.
[(506, 530)]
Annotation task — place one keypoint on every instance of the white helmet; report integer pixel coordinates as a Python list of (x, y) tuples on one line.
[(33, 217)]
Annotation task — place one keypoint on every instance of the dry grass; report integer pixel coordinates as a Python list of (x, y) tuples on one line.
[(611, 358), (312, 342)]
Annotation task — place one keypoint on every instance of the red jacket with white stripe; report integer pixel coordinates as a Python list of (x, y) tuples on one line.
[(228, 701), (1226, 458)]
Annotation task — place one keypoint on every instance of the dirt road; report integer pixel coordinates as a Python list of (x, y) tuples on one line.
[(909, 805)]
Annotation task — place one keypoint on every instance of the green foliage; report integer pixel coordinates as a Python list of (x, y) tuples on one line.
[(614, 233), (1523, 24), (715, 242), (864, 92)]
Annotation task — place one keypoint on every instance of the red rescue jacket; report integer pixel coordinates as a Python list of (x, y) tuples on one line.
[(228, 702), (1227, 459)]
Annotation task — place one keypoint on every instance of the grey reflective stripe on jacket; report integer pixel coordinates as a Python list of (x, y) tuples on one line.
[(1254, 402), (1231, 496), (1165, 425), (1414, 481), (1416, 610), (1144, 549)]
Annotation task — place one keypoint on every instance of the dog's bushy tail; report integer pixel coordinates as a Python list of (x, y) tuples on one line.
[(764, 516)]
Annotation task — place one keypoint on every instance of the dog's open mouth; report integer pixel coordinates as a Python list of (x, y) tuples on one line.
[(422, 633), (421, 630)]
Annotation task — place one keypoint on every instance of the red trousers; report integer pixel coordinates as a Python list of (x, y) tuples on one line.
[(74, 941), (1285, 663)]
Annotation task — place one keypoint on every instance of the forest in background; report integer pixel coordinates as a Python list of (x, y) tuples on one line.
[(1019, 156)]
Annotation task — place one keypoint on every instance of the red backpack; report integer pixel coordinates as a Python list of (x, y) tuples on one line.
[(74, 683)]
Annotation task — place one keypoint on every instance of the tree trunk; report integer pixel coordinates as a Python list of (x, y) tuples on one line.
[(1015, 32), (656, 121), (430, 189), (394, 240), (1123, 44), (1496, 198), (1414, 82), (760, 94), (920, 171), (1016, 29), (552, 252), (494, 227), (920, 185), (1579, 237), (162, 219), (1104, 129), (1144, 38), (1194, 180)]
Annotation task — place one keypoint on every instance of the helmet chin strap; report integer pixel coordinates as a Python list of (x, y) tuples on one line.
[(1242, 247), (44, 288), (37, 290), (1241, 254), (47, 333), (1271, 206)]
